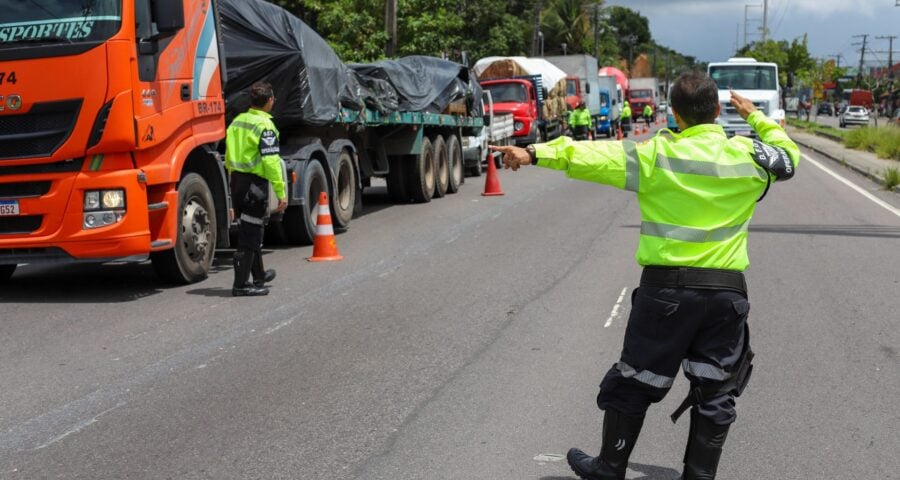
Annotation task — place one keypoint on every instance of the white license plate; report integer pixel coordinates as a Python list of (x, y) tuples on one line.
[(9, 208)]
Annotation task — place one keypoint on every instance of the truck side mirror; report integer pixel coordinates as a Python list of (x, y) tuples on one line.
[(587, 88), (168, 15)]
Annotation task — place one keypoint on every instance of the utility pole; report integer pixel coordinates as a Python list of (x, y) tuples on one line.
[(862, 57), (390, 24), (890, 39), (596, 29), (737, 36), (538, 6), (837, 58), (765, 27), (746, 20)]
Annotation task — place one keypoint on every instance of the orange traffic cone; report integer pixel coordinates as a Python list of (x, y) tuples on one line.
[(324, 247), (491, 183), (618, 132)]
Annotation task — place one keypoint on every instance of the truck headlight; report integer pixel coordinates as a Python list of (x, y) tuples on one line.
[(603, 118), (518, 126), (103, 207)]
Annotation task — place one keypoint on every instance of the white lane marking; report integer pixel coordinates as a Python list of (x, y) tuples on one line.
[(80, 426), (281, 325), (549, 457), (852, 185), (615, 310)]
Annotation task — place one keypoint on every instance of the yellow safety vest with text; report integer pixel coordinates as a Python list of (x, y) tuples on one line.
[(697, 191), (251, 146)]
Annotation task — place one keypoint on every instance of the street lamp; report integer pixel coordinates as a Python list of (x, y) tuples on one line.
[(541, 40)]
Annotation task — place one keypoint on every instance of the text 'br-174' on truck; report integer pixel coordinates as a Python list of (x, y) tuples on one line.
[(756, 81)]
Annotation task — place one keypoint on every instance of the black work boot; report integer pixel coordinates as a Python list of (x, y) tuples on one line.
[(620, 432), (243, 263), (704, 448), (261, 276)]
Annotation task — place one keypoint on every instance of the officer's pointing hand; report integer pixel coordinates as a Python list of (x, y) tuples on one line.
[(513, 157), (743, 106)]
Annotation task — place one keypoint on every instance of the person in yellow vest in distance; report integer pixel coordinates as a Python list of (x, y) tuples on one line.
[(625, 118), (252, 158), (580, 122), (696, 192), (648, 114)]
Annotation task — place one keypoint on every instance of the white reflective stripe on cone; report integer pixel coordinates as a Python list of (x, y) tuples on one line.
[(324, 229)]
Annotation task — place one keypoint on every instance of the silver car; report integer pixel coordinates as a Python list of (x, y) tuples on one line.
[(853, 115)]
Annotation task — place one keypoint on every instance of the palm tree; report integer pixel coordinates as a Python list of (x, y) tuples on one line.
[(569, 22)]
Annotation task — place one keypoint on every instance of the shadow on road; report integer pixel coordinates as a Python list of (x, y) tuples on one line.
[(645, 472)]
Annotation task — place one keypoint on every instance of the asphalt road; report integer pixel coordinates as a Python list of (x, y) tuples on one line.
[(461, 339)]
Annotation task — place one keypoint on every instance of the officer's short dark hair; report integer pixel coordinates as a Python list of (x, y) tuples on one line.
[(260, 93), (695, 97)]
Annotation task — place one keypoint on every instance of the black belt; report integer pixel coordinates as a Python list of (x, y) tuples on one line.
[(688, 277)]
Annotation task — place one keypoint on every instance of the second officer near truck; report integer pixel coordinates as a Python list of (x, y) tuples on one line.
[(252, 158)]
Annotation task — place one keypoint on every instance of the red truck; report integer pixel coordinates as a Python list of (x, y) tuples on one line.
[(523, 97)]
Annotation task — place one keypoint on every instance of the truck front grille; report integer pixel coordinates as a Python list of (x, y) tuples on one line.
[(20, 224), (40, 132), (727, 109), (24, 189)]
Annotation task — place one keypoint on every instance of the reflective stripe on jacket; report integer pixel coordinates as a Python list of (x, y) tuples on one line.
[(696, 191), (580, 117), (251, 146)]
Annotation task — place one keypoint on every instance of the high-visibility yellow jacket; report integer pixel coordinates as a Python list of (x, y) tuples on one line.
[(626, 111), (251, 146), (696, 191), (648, 111), (580, 117)]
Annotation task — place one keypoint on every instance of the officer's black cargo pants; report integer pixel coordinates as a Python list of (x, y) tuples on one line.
[(250, 199), (700, 330)]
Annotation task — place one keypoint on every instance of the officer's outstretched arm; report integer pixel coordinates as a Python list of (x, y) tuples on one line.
[(774, 151), (609, 163)]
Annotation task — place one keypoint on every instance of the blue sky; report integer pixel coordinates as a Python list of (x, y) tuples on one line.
[(708, 29)]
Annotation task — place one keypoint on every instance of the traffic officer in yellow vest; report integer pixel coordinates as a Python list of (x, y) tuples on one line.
[(648, 114), (697, 192), (580, 122), (625, 118), (252, 158)]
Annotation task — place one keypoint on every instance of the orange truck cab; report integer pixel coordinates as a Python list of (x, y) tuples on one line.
[(523, 97), (109, 121)]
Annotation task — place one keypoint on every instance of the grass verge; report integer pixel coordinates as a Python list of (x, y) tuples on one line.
[(891, 178), (884, 141)]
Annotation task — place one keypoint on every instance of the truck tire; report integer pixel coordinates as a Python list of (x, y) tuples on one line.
[(441, 167), (195, 243), (6, 271), (396, 178), (421, 176), (301, 228), (344, 199), (477, 169), (454, 153)]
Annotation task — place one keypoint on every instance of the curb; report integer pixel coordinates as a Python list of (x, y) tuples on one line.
[(844, 163)]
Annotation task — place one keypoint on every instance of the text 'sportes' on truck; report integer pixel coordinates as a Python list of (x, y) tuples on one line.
[(113, 121), (757, 81)]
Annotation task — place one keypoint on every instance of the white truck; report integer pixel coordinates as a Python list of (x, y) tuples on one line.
[(581, 81), (498, 130), (757, 81)]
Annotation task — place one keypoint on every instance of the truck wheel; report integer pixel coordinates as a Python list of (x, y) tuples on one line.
[(441, 167), (454, 153), (344, 199), (6, 271), (477, 169), (421, 178), (300, 224), (396, 178), (195, 242)]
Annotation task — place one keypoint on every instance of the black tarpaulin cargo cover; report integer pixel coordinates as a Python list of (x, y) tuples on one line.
[(264, 42), (423, 84)]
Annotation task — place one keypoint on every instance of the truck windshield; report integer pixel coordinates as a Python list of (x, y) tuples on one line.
[(571, 87), (641, 93), (58, 21), (744, 77), (508, 92)]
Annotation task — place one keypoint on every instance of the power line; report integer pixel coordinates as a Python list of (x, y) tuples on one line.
[(890, 39), (862, 57)]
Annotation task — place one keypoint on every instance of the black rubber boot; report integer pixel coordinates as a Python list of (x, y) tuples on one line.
[(261, 276), (243, 263), (620, 432), (704, 448)]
